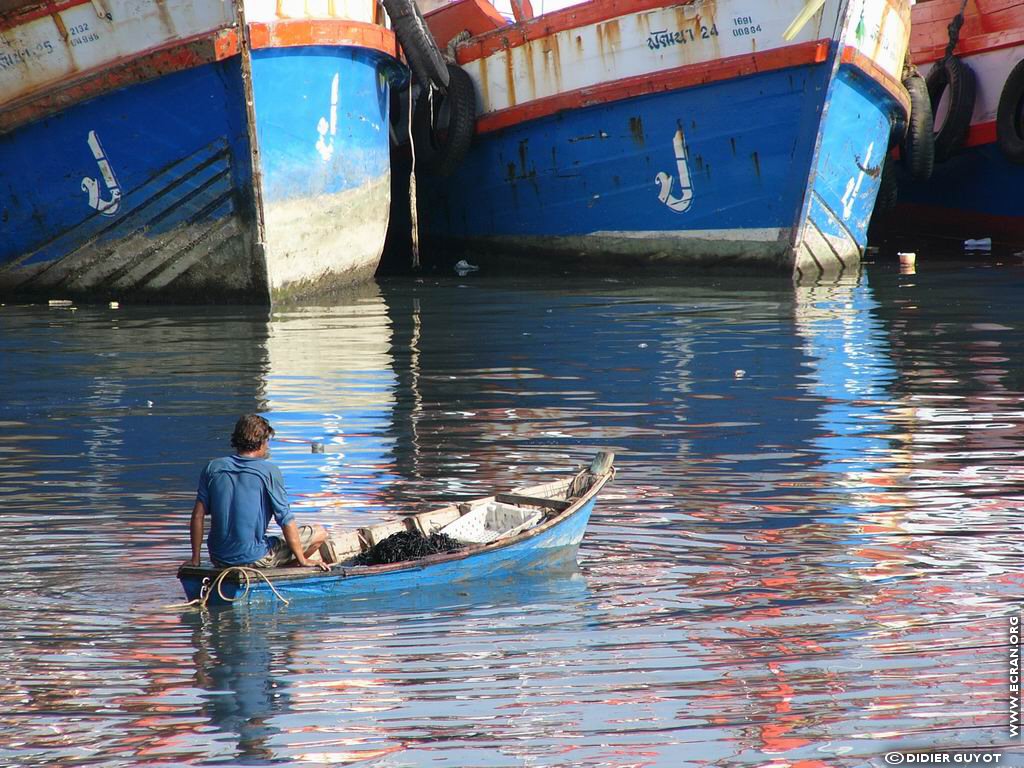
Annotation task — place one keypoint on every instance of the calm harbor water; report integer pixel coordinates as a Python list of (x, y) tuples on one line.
[(810, 555)]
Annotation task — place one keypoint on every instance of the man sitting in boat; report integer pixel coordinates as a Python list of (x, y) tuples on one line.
[(241, 493)]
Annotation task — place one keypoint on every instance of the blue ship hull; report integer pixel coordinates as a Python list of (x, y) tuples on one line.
[(783, 171), (173, 189), (553, 546)]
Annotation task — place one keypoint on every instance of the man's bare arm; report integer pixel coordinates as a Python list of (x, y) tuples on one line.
[(195, 529)]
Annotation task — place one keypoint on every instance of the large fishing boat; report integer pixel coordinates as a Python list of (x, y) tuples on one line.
[(700, 132), (225, 150), (972, 54)]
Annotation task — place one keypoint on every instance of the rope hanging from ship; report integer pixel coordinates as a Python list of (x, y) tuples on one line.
[(954, 31), (951, 74)]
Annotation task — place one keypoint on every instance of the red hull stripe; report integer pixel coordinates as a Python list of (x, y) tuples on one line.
[(669, 80), (854, 58), (982, 133), (955, 223), (972, 46), (182, 54), (336, 32)]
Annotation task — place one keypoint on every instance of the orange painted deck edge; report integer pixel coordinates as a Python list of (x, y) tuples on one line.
[(291, 33), (123, 72), (478, 17), (854, 58)]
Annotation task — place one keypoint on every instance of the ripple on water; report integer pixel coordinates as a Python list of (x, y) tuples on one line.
[(808, 557)]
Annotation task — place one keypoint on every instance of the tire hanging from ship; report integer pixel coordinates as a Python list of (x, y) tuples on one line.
[(917, 152), (421, 50), (952, 75), (888, 189), (1010, 116), (443, 124)]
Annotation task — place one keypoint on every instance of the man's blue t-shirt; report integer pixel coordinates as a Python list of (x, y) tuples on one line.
[(241, 494)]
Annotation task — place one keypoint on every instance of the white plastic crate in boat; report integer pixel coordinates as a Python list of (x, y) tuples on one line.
[(491, 521)]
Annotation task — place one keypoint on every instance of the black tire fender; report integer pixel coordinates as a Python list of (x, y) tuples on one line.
[(888, 189), (953, 75), (425, 59), (918, 150), (1010, 115), (443, 125)]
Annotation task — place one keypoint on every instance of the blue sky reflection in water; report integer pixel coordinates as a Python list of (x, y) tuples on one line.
[(808, 558)]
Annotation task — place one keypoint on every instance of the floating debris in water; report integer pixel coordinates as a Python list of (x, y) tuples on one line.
[(908, 262), (463, 267), (407, 545), (318, 447)]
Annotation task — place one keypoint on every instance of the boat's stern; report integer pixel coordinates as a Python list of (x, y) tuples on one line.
[(203, 585), (321, 88), (195, 584)]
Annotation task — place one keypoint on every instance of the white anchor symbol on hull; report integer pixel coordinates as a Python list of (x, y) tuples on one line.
[(664, 181), (92, 186), (853, 185), (326, 148)]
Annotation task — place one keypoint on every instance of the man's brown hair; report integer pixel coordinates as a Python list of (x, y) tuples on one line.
[(251, 431)]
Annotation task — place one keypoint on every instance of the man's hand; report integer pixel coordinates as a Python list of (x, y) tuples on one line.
[(193, 561), (291, 536), (306, 563)]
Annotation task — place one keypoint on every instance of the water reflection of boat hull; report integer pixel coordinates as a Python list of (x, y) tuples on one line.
[(549, 545)]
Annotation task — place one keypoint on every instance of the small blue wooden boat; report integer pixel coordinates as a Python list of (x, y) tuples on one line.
[(528, 529)]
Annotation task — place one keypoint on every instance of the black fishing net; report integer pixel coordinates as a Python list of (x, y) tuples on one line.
[(407, 545)]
